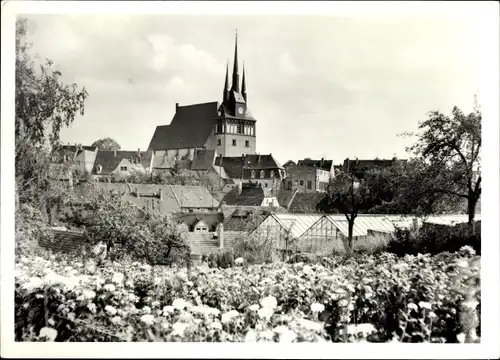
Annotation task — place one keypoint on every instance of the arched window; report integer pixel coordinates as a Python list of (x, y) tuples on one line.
[(262, 174), (253, 174)]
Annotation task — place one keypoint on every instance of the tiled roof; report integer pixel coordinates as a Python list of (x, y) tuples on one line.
[(245, 220), (285, 196), (202, 243), (203, 159), (191, 219), (306, 202), (322, 164), (190, 127), (250, 195), (365, 165), (234, 165), (193, 196), (109, 161)]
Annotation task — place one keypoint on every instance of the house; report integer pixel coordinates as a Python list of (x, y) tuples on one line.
[(300, 202), (250, 194), (80, 157), (308, 177), (253, 168), (120, 164), (228, 127), (201, 222), (362, 166), (160, 199)]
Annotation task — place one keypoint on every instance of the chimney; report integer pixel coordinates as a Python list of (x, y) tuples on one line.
[(161, 194), (240, 187), (258, 159), (176, 106), (220, 235), (114, 152), (322, 161)]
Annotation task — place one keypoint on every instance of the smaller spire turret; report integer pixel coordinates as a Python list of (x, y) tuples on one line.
[(226, 85), (236, 76), (243, 85)]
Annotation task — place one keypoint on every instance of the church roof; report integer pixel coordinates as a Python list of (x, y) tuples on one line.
[(190, 127), (203, 159)]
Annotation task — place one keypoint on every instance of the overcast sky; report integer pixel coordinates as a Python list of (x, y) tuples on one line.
[(318, 86)]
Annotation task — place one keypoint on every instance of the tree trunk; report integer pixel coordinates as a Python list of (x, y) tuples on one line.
[(350, 223), (471, 211)]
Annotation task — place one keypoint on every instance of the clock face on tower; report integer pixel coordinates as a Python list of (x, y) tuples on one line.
[(240, 110)]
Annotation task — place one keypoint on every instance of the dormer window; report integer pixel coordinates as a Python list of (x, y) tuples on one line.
[(99, 169), (253, 174), (272, 173), (262, 174)]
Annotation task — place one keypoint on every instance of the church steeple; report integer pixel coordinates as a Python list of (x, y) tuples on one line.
[(226, 85), (236, 76), (243, 85)]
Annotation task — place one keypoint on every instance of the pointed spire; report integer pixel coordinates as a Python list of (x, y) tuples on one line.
[(236, 77), (243, 84), (226, 85)]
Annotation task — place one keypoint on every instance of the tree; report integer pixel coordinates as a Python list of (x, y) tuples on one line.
[(43, 105), (451, 149), (289, 163), (106, 144), (350, 196)]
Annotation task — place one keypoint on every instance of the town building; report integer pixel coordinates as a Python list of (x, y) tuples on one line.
[(253, 168), (227, 127), (309, 177), (250, 194), (79, 157), (360, 167), (121, 164)]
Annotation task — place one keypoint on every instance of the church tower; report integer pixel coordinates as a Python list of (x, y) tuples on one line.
[(234, 124)]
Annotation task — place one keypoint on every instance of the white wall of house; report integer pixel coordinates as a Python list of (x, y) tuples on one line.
[(201, 227), (165, 159), (126, 168), (85, 161), (270, 201)]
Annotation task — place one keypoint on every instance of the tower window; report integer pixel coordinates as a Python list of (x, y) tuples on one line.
[(219, 142), (234, 142), (247, 143)]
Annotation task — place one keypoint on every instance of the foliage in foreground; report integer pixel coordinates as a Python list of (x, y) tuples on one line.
[(376, 299)]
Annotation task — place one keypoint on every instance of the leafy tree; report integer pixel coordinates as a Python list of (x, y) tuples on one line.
[(350, 196), (43, 105), (106, 144), (451, 149), (289, 163)]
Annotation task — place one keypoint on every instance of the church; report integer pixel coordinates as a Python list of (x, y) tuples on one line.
[(227, 127)]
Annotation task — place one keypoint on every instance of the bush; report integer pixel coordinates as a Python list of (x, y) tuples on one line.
[(433, 239), (222, 259), (32, 230), (384, 298)]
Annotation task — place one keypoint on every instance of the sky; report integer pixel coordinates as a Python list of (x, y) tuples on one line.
[(319, 86)]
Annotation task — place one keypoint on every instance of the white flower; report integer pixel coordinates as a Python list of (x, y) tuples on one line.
[(110, 309), (109, 287), (343, 302), (239, 261), (169, 309), (116, 320), (228, 316), (146, 310), (253, 307), (251, 336), (310, 325), (461, 338), (425, 305), (157, 281), (269, 302), (148, 319), (265, 313), (317, 307), (180, 304), (88, 294), (155, 304), (286, 335), (463, 263), (48, 333), (432, 315), (471, 304), (266, 335), (216, 325), (412, 306), (307, 269), (179, 328), (92, 307), (365, 328), (118, 278), (33, 283)]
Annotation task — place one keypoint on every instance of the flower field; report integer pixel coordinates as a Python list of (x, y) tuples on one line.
[(372, 298)]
